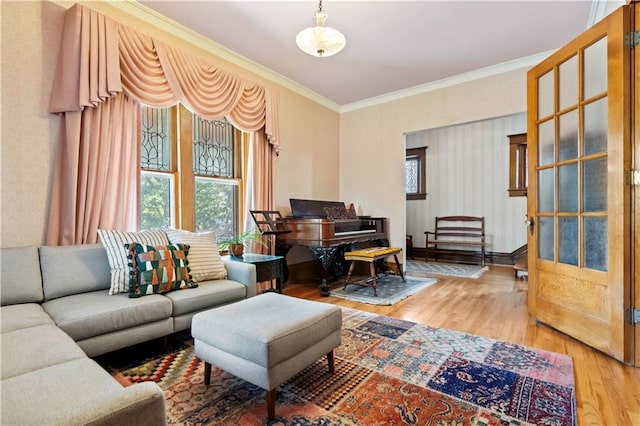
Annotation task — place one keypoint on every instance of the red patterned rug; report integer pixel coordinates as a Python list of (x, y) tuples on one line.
[(388, 372)]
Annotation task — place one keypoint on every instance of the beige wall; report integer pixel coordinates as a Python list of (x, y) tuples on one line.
[(357, 156), (372, 144), (306, 168)]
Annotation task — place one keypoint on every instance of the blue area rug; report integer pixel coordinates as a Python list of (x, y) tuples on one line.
[(391, 289), (443, 268)]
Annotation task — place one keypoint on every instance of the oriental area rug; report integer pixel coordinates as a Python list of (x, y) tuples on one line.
[(388, 372), (443, 268), (389, 290)]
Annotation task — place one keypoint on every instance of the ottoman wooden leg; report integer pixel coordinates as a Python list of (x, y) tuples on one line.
[(207, 373), (330, 361), (271, 404)]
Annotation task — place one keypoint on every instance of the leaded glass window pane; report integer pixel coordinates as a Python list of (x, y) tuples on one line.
[(411, 175), (156, 134), (213, 148)]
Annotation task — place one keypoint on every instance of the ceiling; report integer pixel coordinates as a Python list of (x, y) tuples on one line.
[(391, 45)]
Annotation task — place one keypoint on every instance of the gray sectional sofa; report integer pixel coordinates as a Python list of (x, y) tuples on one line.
[(56, 313)]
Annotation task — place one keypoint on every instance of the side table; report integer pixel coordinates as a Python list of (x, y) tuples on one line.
[(268, 267)]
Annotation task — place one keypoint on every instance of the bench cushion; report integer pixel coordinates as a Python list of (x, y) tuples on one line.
[(372, 253), (267, 329)]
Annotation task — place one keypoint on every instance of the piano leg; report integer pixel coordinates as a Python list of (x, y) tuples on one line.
[(282, 250), (325, 256)]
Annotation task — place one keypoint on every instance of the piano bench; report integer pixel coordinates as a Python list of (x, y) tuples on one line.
[(371, 255)]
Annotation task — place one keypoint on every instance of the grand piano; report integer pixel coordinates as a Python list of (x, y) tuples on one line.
[(319, 226)]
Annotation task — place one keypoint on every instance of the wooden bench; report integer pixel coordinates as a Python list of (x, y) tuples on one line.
[(371, 255), (463, 231)]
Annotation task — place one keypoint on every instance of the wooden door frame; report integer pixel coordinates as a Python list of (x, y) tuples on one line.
[(635, 190)]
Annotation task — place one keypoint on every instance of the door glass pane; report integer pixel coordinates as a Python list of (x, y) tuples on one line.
[(568, 84), (595, 68), (545, 95), (545, 143), (596, 255), (568, 188), (595, 127), (595, 185), (545, 190), (568, 132), (568, 240), (545, 238)]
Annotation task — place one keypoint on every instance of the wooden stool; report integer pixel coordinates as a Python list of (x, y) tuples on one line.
[(370, 255)]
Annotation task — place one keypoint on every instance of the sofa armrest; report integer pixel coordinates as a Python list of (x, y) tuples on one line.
[(244, 273), (138, 404)]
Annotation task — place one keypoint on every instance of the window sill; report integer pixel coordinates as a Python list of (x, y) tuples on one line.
[(421, 196)]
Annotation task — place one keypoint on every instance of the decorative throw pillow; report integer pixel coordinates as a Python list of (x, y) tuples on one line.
[(158, 269), (204, 257), (339, 213), (114, 241)]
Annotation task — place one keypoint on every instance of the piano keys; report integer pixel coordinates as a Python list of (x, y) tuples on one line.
[(328, 237)]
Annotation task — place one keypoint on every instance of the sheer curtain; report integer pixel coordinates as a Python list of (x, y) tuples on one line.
[(104, 70)]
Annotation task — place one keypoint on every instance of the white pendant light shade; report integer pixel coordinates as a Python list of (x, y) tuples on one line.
[(319, 40)]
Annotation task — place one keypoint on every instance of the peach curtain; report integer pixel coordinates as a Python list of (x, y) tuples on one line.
[(101, 59)]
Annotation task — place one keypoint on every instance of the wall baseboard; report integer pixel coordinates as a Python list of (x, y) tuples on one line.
[(465, 256)]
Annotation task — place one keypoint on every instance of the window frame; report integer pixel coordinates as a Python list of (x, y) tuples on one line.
[(421, 155), (184, 179), (518, 179)]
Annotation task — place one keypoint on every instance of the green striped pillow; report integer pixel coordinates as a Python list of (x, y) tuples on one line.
[(114, 241), (158, 269), (204, 258)]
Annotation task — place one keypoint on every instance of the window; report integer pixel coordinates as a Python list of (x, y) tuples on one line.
[(191, 178), (415, 173), (518, 165)]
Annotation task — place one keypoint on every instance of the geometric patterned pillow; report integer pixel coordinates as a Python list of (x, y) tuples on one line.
[(114, 241), (158, 269)]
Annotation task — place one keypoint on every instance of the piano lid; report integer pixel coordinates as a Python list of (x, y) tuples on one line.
[(312, 208)]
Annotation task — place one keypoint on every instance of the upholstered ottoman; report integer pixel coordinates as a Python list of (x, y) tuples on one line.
[(267, 339)]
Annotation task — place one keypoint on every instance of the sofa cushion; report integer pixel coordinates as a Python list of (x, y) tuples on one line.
[(158, 269), (114, 241), (32, 348), (209, 294), (92, 314), (16, 317), (20, 280), (204, 258), (79, 392), (73, 269)]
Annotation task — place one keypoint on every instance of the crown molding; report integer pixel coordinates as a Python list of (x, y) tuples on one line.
[(526, 62), (138, 10)]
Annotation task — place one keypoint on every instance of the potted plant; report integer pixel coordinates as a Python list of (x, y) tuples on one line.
[(235, 245)]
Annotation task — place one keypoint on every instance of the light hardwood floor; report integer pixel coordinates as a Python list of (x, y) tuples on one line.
[(495, 305)]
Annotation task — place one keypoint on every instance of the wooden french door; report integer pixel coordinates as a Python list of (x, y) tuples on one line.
[(579, 202)]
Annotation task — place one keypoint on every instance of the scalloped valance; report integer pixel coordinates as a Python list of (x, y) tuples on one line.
[(100, 58)]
